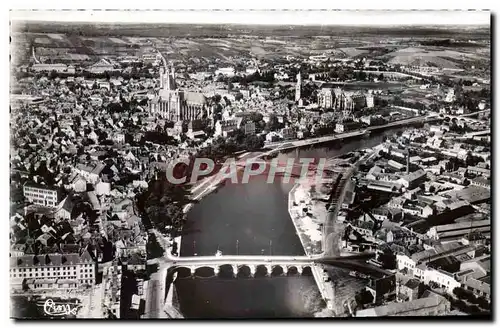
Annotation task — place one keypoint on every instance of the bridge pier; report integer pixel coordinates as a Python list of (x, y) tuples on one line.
[(299, 270), (193, 270), (269, 269), (216, 270), (285, 270), (235, 270), (253, 269)]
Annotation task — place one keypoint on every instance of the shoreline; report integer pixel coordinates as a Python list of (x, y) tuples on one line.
[(307, 216)]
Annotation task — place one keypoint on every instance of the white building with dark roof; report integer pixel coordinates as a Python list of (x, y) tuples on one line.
[(41, 195), (90, 173), (53, 271)]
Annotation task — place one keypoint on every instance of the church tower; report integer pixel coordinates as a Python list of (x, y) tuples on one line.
[(298, 87)]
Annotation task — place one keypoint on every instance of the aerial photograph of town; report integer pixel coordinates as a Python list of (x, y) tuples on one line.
[(250, 171)]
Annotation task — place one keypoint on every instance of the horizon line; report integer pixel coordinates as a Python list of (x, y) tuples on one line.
[(254, 24), (261, 17)]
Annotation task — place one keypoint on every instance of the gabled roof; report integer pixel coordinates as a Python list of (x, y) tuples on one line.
[(47, 259)]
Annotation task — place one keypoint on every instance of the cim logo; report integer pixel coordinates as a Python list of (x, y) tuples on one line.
[(59, 310)]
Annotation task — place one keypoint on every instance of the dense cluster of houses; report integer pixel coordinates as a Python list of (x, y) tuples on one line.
[(434, 220)]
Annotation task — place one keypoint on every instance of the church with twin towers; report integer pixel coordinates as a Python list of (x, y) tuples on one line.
[(177, 105)]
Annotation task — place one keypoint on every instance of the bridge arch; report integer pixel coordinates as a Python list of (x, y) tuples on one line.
[(244, 271), (206, 271), (182, 271), (277, 270), (261, 271), (227, 271), (292, 270), (307, 270)]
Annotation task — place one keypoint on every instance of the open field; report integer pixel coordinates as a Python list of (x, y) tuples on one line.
[(226, 42), (431, 56)]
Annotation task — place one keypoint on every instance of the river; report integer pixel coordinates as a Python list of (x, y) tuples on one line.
[(253, 219)]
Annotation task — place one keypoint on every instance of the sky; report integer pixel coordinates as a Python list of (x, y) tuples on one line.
[(280, 17)]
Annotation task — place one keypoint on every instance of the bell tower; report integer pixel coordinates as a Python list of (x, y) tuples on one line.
[(298, 87)]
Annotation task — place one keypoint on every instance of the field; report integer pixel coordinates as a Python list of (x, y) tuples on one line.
[(226, 42), (438, 57)]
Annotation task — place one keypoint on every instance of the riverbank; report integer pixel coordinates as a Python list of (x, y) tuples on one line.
[(305, 218), (307, 206)]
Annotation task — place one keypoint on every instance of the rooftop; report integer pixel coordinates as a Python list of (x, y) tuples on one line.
[(404, 308), (49, 260)]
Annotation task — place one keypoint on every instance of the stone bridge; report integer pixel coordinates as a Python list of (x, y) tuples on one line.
[(251, 264)]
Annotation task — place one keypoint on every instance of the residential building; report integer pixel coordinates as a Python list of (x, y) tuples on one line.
[(102, 66), (59, 68), (430, 305), (478, 287), (41, 195), (288, 133), (458, 230), (249, 128), (226, 127), (443, 278), (479, 171), (53, 271), (346, 126), (406, 290), (382, 287), (413, 179), (481, 182), (90, 173), (119, 138), (226, 71), (370, 100)]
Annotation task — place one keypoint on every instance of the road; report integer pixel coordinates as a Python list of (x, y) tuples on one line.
[(152, 309), (332, 231)]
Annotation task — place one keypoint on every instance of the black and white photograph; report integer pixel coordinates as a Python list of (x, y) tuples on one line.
[(322, 164)]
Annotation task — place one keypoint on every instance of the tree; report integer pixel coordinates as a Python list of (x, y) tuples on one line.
[(459, 292), (255, 117), (252, 142), (153, 248), (483, 302), (238, 96), (469, 296), (473, 309), (388, 260), (364, 297), (273, 123)]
